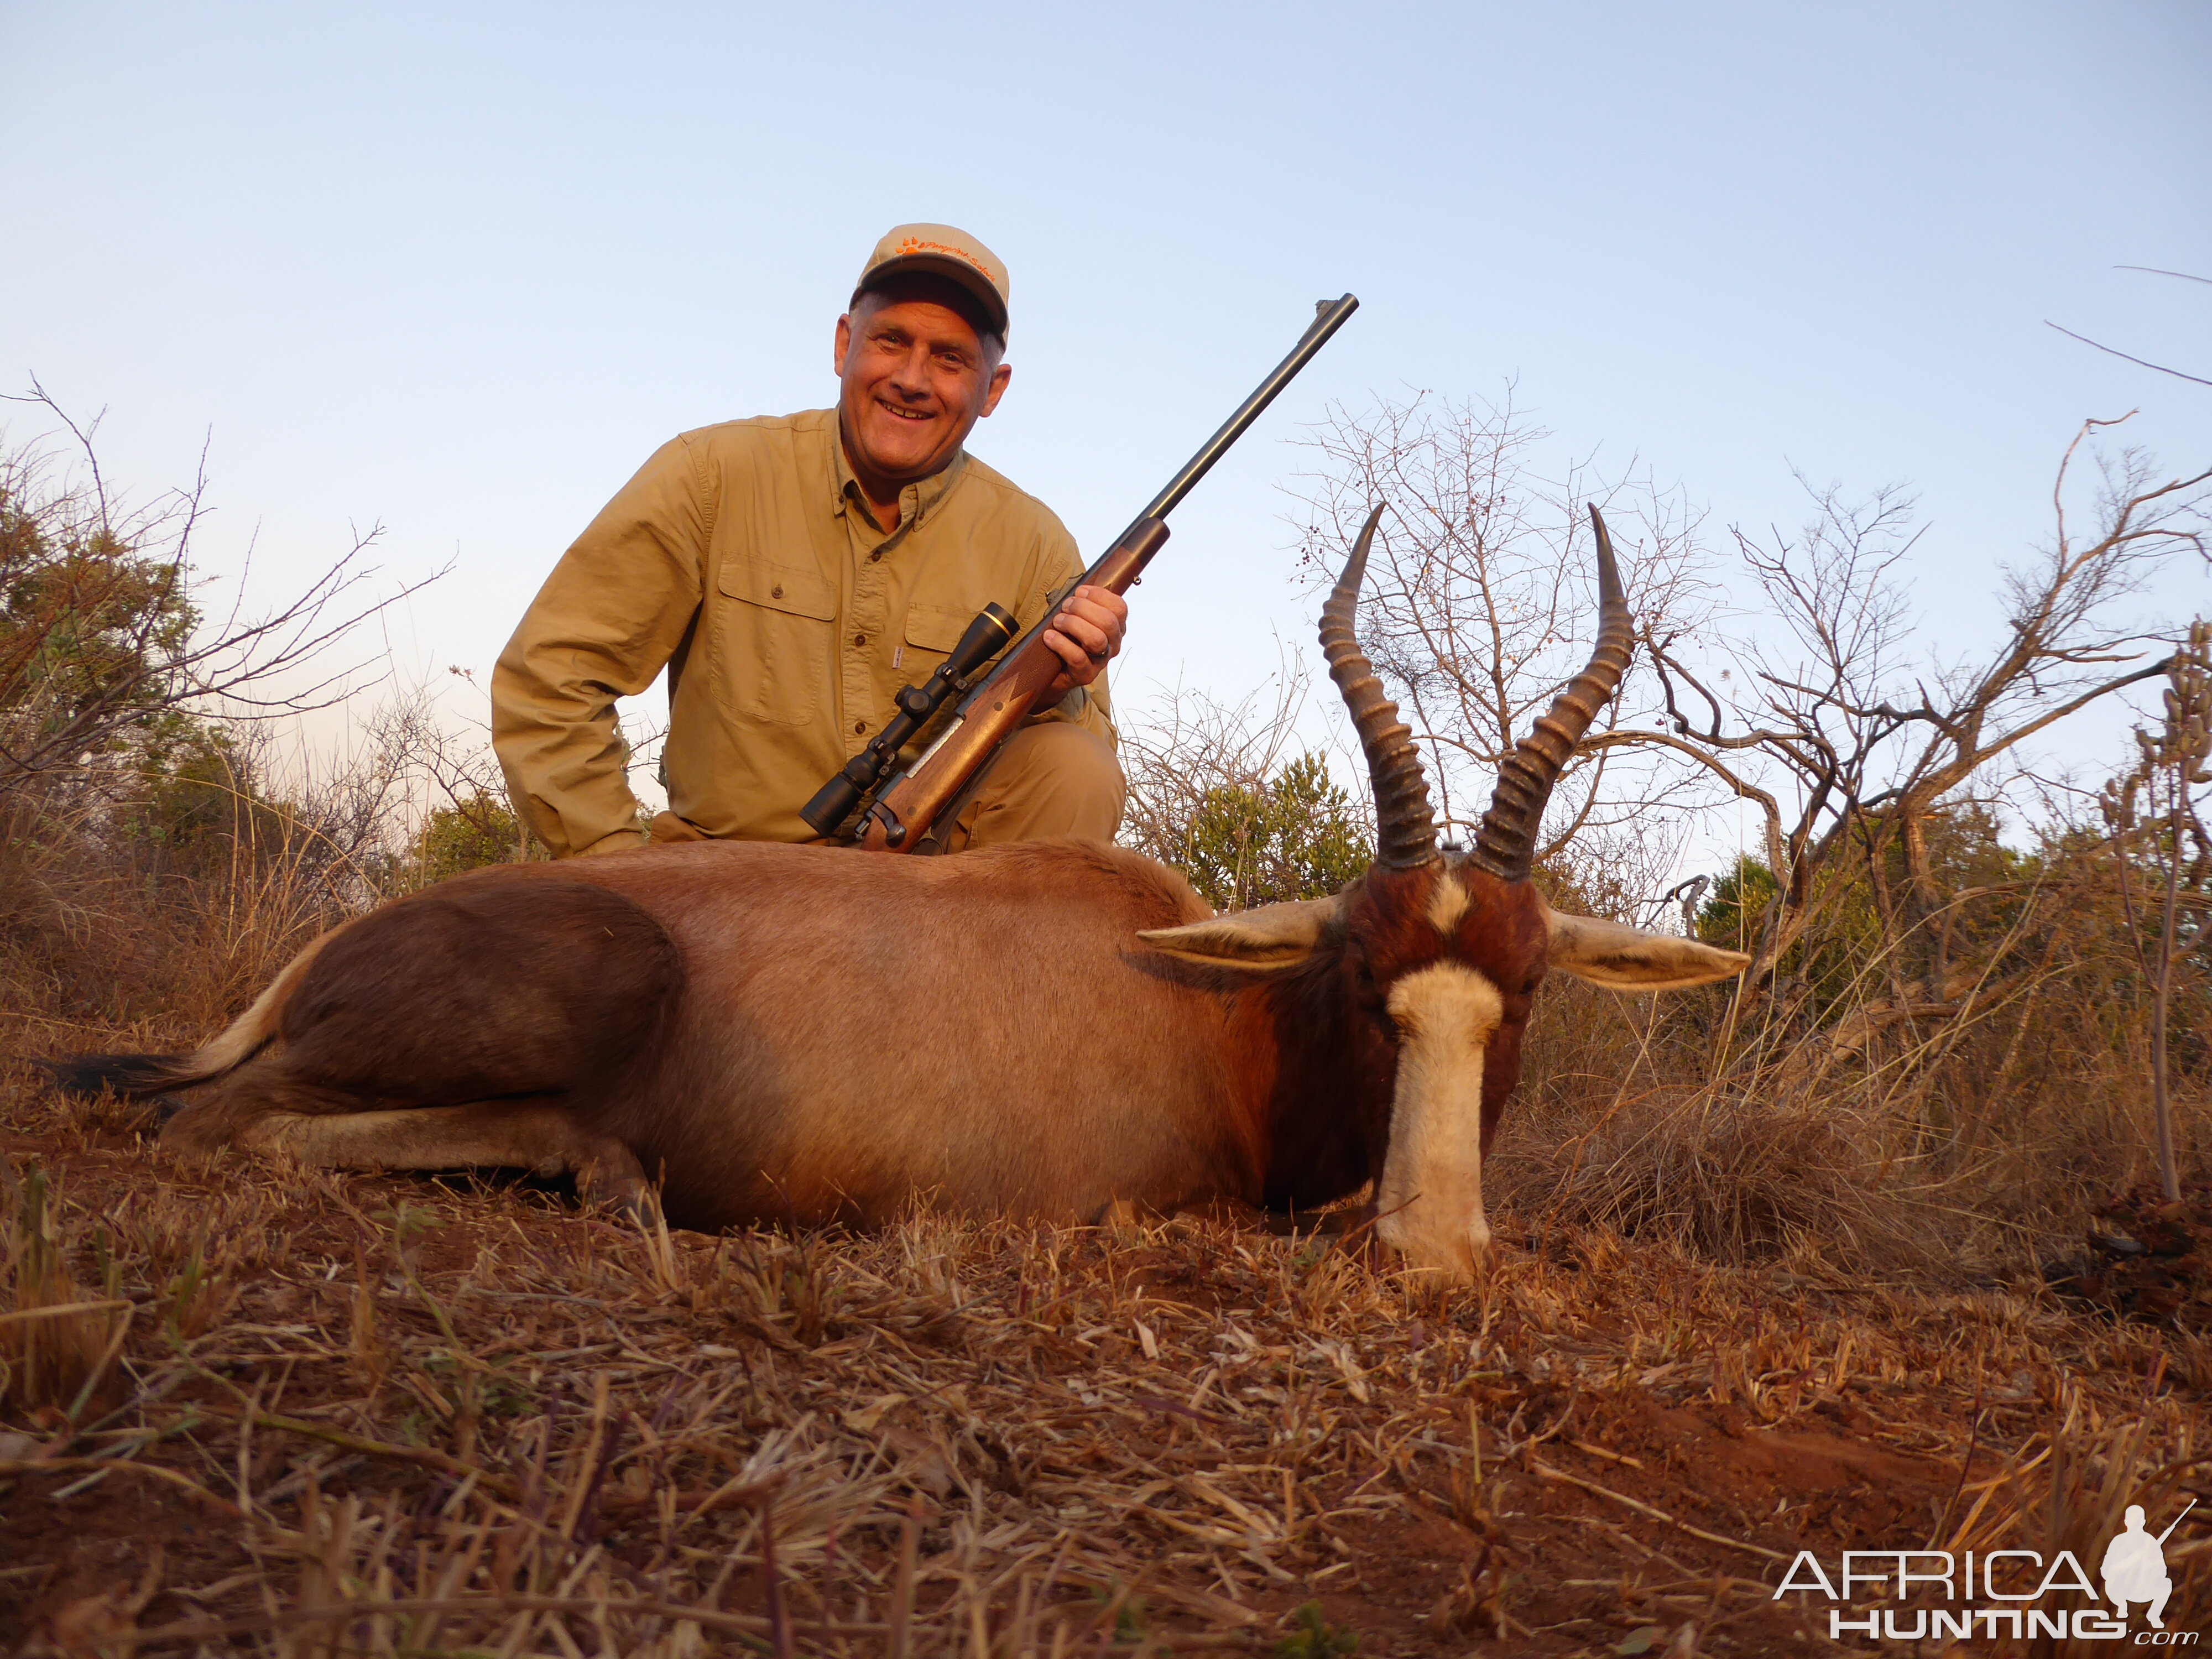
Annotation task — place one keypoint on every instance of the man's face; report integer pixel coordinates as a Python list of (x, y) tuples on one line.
[(916, 377)]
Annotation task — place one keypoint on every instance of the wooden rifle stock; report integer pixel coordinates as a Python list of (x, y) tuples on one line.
[(909, 802)]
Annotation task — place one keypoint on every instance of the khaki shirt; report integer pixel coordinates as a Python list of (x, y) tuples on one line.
[(743, 558)]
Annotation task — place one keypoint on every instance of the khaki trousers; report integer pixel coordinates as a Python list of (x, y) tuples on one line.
[(1055, 779)]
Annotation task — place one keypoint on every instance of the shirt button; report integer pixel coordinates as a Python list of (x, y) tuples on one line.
[(874, 557), (859, 726), (859, 639)]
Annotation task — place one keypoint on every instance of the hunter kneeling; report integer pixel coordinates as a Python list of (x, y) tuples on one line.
[(792, 573)]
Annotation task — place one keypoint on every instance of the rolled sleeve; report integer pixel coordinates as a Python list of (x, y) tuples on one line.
[(614, 610)]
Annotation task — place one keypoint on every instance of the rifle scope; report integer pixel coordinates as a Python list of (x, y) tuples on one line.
[(834, 801)]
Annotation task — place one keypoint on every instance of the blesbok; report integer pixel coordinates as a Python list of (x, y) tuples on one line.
[(807, 1033)]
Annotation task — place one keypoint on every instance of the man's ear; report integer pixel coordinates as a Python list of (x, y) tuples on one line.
[(997, 389), (1630, 960), (1270, 937), (844, 344)]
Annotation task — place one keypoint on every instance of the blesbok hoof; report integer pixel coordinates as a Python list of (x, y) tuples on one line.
[(1440, 1254), (1121, 1221), (641, 1208), (608, 1173)]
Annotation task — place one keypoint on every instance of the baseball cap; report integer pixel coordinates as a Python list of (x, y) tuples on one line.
[(943, 251)]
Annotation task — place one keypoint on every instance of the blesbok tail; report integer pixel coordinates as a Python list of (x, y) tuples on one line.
[(150, 1074)]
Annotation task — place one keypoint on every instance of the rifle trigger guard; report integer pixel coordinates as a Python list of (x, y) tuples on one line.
[(894, 831)]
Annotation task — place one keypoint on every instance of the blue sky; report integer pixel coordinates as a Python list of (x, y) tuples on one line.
[(459, 268)]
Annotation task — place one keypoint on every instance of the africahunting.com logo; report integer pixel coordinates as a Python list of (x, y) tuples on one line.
[(2021, 1595)]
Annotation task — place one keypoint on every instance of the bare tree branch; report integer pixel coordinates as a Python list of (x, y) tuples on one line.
[(102, 638), (2139, 361)]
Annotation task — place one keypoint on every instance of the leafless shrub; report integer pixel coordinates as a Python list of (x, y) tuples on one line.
[(1849, 741), (1227, 794), (1184, 744), (2153, 812), (105, 639)]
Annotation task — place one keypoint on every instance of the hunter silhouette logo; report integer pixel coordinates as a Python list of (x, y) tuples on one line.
[(2134, 1568), (2024, 1593)]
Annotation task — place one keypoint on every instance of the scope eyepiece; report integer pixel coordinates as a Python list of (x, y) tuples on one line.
[(985, 638)]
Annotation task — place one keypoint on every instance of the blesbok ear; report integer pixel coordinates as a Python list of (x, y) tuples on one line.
[(1630, 960), (1272, 937)]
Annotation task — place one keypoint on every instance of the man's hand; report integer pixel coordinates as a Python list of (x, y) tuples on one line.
[(1085, 633)]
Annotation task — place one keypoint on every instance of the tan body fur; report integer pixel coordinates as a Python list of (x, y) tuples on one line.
[(982, 1030)]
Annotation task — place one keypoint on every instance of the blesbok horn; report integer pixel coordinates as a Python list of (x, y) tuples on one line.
[(1506, 844), (1404, 830)]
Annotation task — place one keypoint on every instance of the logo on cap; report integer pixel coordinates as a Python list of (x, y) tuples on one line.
[(915, 245)]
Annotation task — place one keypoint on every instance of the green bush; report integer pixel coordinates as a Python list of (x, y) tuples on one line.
[(478, 829), (1293, 836)]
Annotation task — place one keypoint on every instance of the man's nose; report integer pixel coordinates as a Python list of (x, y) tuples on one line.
[(911, 378)]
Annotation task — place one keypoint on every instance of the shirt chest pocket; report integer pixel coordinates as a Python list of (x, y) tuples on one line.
[(931, 631), (775, 649)]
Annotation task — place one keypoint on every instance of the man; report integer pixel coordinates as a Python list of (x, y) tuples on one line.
[(2134, 1568), (792, 573)]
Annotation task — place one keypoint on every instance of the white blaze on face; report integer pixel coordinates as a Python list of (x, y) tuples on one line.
[(1447, 903), (1429, 1198)]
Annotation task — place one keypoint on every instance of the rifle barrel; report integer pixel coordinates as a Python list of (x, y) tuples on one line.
[(2177, 1520), (1332, 315), (1330, 318)]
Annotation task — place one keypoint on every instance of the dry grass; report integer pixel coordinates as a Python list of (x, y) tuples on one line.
[(139, 947), (1962, 1148), (1732, 1179)]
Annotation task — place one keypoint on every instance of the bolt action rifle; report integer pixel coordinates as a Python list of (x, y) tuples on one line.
[(896, 806)]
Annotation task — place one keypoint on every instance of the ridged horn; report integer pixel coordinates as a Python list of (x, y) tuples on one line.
[(1506, 843), (1404, 830)]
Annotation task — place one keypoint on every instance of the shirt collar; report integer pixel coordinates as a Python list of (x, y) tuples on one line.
[(916, 502)]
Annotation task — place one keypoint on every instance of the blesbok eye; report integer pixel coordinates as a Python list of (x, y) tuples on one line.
[(1530, 989)]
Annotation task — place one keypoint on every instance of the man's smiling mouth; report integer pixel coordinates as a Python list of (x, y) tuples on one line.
[(905, 414)]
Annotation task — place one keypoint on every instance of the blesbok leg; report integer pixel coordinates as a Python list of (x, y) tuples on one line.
[(477, 1023), (486, 1135)]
